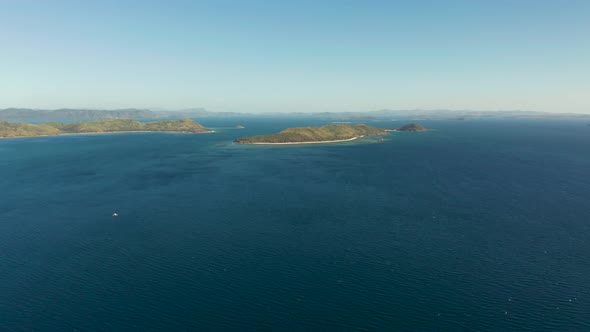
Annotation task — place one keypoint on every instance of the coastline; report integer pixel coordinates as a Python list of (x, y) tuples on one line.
[(112, 132), (315, 142)]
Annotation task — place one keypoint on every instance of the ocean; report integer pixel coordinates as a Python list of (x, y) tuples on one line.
[(477, 225)]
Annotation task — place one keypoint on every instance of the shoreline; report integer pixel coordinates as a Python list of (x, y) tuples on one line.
[(314, 142), (112, 132)]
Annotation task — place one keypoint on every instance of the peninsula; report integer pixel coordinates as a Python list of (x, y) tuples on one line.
[(307, 135), (8, 129)]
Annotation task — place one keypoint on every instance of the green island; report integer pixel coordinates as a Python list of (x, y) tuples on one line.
[(8, 129), (326, 134), (412, 127)]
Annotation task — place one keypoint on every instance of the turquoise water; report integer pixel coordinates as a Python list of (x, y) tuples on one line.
[(476, 225)]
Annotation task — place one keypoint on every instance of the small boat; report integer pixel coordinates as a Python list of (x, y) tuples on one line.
[(115, 215)]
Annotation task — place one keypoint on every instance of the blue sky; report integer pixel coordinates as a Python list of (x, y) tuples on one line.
[(260, 56)]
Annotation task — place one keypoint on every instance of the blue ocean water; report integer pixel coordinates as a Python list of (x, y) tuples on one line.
[(475, 225)]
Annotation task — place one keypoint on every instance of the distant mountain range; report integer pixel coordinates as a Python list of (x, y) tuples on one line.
[(66, 114), (435, 114)]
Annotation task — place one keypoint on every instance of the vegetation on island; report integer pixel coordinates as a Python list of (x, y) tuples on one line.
[(8, 129), (332, 132), (411, 127)]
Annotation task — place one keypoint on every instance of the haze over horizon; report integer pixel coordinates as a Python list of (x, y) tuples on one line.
[(296, 56)]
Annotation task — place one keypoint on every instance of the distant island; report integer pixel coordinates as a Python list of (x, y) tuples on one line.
[(326, 134), (8, 129), (411, 127), (240, 127)]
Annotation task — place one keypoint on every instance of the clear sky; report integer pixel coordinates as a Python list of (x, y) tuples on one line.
[(259, 56)]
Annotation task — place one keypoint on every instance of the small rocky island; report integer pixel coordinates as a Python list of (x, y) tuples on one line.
[(305, 135), (8, 129), (412, 127)]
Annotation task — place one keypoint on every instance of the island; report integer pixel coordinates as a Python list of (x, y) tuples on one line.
[(411, 127), (240, 127), (307, 135), (8, 129)]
